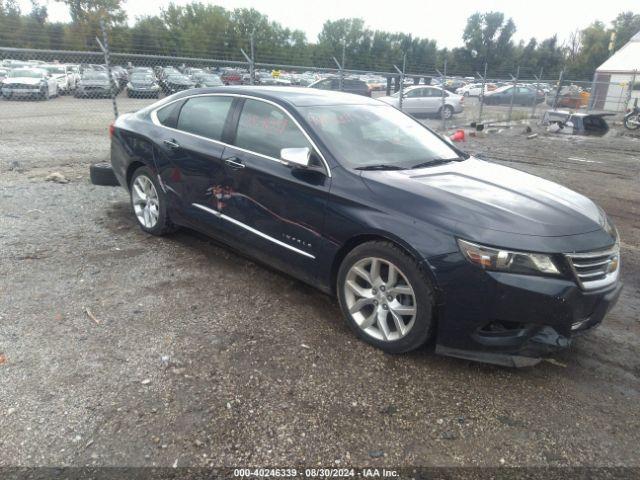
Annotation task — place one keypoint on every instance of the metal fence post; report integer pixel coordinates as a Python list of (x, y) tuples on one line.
[(592, 95), (630, 91), (484, 82), (104, 46), (443, 76), (252, 73), (401, 72), (513, 93), (535, 97), (557, 96), (340, 73)]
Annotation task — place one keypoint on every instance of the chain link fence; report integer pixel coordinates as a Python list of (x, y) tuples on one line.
[(112, 82)]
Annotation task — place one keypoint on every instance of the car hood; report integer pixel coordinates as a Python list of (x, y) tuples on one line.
[(492, 197), (23, 80), (95, 83), (179, 82)]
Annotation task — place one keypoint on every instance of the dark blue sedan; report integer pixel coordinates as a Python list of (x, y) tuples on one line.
[(420, 242)]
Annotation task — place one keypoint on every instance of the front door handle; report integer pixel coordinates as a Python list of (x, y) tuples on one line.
[(234, 162), (172, 143)]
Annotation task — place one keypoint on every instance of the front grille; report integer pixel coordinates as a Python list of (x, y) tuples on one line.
[(597, 269)]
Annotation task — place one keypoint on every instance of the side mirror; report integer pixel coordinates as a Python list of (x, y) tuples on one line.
[(297, 156)]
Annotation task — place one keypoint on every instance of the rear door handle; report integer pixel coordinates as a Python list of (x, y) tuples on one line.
[(172, 143), (234, 162)]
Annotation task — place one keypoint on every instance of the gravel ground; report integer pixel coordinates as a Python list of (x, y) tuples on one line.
[(118, 348)]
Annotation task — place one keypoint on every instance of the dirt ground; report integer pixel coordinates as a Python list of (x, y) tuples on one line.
[(191, 355)]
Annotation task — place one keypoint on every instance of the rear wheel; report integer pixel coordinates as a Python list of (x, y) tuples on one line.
[(446, 112), (149, 203), (385, 297)]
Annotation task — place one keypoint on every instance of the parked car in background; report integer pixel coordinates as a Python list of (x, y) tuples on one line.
[(474, 89), (230, 76), (570, 96), (349, 85), (419, 241), (427, 100), (143, 85), (522, 95), (175, 82), (95, 84), (64, 76), (203, 79), (190, 71), (121, 75), (148, 70), (29, 82)]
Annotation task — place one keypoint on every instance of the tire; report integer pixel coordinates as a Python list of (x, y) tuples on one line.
[(102, 174), (466, 94), (446, 112), (631, 126), (380, 300), (162, 224)]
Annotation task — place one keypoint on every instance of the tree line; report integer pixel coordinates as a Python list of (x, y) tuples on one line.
[(209, 31)]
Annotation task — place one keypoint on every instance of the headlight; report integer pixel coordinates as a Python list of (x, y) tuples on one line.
[(507, 261), (129, 85)]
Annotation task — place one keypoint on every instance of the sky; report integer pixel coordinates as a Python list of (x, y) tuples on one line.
[(438, 20)]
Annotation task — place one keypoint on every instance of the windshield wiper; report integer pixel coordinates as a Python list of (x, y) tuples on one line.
[(380, 166), (435, 161)]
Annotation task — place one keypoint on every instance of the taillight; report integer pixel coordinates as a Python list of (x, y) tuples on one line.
[(112, 130)]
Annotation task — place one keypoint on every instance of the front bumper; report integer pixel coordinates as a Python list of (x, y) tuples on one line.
[(21, 92), (510, 319)]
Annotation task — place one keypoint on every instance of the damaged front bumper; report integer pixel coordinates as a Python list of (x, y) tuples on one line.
[(515, 320)]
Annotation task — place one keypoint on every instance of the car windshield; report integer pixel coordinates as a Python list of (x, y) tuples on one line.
[(22, 73), (94, 76), (55, 70), (376, 135), (209, 78), (141, 77)]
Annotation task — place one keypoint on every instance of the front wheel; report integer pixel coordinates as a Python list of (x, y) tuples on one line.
[(632, 122), (149, 203), (385, 297)]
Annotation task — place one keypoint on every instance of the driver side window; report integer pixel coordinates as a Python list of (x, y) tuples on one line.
[(265, 129)]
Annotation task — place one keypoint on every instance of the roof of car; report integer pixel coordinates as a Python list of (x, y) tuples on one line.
[(295, 96)]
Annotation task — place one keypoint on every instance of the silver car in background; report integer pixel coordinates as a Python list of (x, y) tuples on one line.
[(427, 100)]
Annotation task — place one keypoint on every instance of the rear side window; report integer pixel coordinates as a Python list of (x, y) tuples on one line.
[(167, 115), (205, 116), (265, 129)]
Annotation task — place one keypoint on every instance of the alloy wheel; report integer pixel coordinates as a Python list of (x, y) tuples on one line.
[(380, 299), (146, 203)]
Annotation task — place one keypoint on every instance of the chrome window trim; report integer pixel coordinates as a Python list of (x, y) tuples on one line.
[(155, 121), (252, 230)]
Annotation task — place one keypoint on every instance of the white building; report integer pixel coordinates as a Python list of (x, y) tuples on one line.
[(615, 76)]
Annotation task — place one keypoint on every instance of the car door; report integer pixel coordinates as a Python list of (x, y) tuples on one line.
[(275, 209), (432, 100), (412, 101), (189, 156), (525, 96)]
